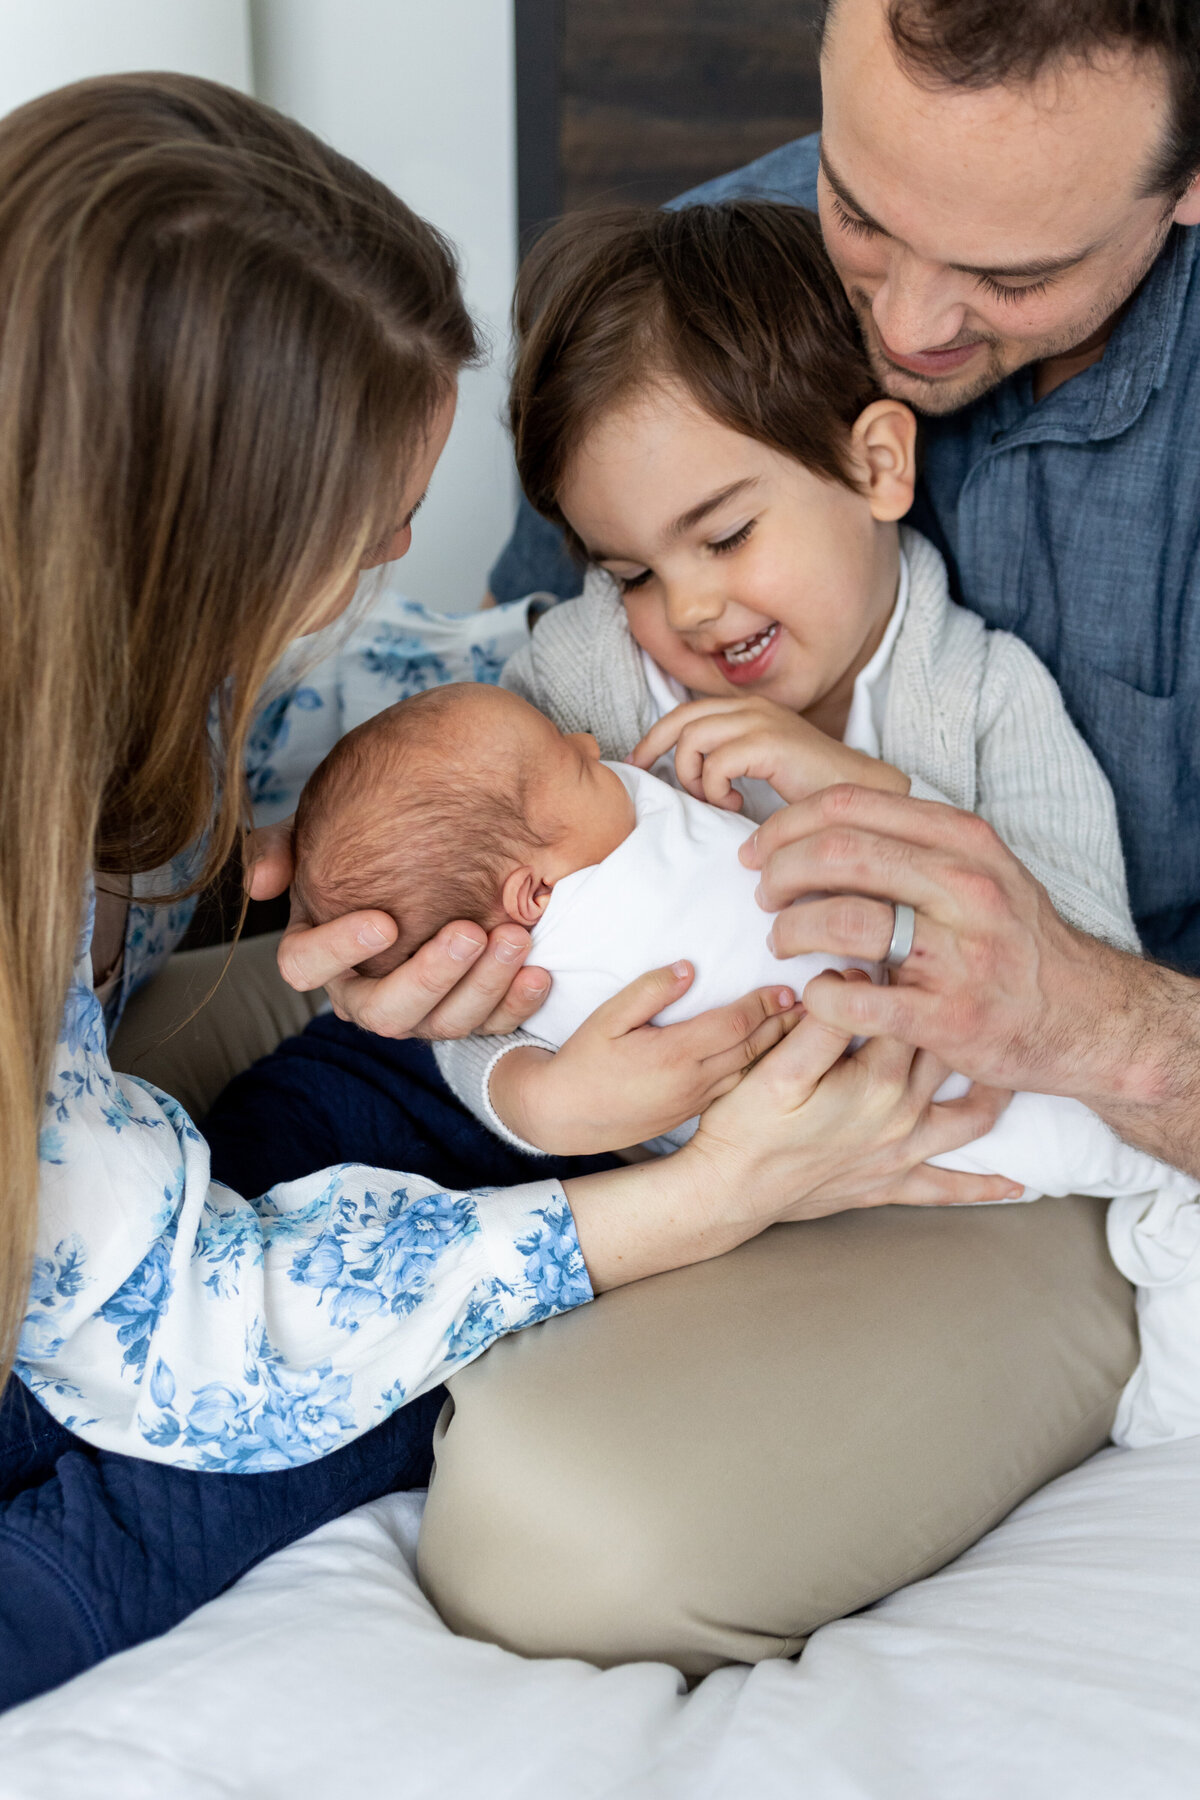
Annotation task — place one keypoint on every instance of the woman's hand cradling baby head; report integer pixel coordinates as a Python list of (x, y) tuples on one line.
[(463, 980)]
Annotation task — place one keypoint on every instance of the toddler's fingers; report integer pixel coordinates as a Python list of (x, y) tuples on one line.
[(664, 734), (660, 738)]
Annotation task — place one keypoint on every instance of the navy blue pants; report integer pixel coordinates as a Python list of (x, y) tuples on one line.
[(99, 1552)]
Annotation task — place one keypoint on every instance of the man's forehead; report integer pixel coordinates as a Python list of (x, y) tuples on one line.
[(1018, 266), (987, 178)]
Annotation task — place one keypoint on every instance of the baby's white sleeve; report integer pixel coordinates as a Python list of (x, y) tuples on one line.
[(466, 1065)]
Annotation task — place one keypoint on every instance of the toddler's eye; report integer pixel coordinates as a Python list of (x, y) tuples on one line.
[(627, 583), (721, 545)]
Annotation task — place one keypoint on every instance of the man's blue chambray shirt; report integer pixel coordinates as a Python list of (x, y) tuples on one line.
[(1074, 522)]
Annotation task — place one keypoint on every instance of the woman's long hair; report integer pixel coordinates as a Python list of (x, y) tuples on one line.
[(221, 344)]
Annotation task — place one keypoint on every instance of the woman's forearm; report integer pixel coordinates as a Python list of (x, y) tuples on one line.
[(648, 1217)]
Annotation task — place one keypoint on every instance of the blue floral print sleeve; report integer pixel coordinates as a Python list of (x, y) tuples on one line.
[(175, 1320)]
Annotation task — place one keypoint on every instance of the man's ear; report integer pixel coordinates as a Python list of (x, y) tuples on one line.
[(883, 446), (1187, 212), (524, 896)]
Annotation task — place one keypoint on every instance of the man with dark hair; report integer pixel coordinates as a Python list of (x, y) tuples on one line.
[(1008, 190)]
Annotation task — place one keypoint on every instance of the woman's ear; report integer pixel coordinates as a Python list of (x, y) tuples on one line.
[(883, 445), (524, 896)]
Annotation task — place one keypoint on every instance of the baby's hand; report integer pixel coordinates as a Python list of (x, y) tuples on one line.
[(718, 741), (620, 1080)]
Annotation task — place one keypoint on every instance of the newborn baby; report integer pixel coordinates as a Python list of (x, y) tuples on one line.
[(467, 803)]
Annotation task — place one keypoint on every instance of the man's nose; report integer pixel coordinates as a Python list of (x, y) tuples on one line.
[(917, 306)]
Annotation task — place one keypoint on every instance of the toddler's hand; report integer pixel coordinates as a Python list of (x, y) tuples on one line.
[(620, 1080), (718, 741)]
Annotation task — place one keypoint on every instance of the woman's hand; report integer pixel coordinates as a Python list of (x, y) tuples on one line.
[(464, 980), (716, 742), (808, 1131), (619, 1080), (824, 1132)]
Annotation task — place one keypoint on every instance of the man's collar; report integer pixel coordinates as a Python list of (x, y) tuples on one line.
[(1138, 357), (1108, 398)]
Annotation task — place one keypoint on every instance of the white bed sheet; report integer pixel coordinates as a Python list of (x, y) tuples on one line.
[(1059, 1658)]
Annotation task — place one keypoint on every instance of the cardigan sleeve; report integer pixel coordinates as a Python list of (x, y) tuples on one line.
[(466, 1066), (1044, 792)]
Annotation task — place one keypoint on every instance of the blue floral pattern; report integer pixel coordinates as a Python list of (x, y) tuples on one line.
[(174, 1319)]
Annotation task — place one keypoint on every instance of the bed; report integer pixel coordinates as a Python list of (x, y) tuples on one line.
[(1060, 1657)]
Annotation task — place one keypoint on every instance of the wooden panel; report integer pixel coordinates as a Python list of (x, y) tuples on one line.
[(657, 95)]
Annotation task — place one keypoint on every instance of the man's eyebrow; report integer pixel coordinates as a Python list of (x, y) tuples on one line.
[(847, 198), (686, 521), (1037, 267)]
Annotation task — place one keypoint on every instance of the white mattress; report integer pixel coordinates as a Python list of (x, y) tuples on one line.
[(1058, 1658)]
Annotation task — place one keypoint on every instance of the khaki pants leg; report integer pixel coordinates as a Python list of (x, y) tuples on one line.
[(705, 1466), (252, 1010)]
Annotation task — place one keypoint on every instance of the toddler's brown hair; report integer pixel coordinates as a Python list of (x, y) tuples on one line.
[(737, 301)]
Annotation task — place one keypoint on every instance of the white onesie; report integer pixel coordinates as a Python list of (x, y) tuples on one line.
[(675, 888)]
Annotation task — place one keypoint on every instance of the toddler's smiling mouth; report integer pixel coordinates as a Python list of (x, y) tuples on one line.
[(748, 659)]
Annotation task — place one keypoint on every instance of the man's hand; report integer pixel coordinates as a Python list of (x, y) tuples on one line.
[(716, 742), (620, 1080), (997, 985), (462, 981)]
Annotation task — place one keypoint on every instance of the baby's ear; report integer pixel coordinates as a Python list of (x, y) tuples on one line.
[(524, 896)]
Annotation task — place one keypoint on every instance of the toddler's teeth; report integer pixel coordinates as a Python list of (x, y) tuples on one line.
[(750, 648)]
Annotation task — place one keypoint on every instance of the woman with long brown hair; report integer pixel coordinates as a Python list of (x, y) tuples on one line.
[(227, 367)]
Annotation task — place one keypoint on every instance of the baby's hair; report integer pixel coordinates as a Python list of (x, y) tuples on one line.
[(404, 816), (737, 301)]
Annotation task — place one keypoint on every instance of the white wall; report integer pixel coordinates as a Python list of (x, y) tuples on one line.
[(421, 93), (45, 43)]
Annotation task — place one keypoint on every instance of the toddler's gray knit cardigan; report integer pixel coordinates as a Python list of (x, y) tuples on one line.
[(971, 717)]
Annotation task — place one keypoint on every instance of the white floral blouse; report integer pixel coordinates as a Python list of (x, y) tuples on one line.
[(176, 1320)]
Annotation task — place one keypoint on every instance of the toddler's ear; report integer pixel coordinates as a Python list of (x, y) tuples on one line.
[(883, 445), (524, 896)]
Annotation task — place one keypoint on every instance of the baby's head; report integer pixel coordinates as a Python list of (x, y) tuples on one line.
[(462, 803), (692, 401)]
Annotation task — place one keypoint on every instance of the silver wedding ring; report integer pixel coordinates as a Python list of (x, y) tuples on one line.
[(903, 932)]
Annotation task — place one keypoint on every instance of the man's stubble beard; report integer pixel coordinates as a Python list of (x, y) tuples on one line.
[(936, 396)]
